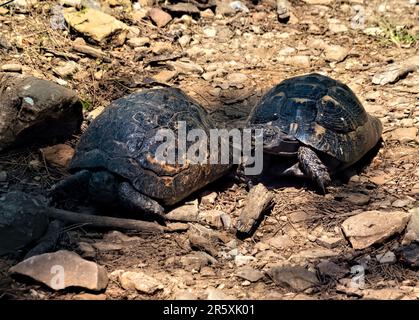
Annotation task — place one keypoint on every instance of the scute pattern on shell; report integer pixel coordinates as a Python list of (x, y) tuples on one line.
[(123, 141), (322, 113)]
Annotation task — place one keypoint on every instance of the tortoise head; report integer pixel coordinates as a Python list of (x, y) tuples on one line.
[(275, 141)]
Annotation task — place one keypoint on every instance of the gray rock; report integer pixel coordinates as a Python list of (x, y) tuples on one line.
[(383, 294), (313, 254), (185, 295), (138, 42), (13, 67), (331, 269), (196, 260), (386, 258), (212, 218), (63, 269), (280, 242), (335, 53), (369, 227), (250, 274), (409, 254), (186, 213), (412, 229), (139, 281), (185, 67), (66, 69), (216, 294), (357, 198), (97, 25), (241, 260), (294, 277), (35, 110), (404, 135), (22, 220)]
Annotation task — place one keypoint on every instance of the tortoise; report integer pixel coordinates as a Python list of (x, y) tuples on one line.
[(115, 161), (318, 123)]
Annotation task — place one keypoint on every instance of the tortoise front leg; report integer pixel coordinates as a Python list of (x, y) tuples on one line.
[(314, 168), (137, 202), (74, 186)]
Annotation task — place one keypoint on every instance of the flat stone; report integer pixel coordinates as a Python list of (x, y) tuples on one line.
[(404, 135), (183, 7), (386, 258), (212, 218), (210, 32), (138, 42), (22, 220), (178, 227), (369, 227), (330, 242), (97, 25), (241, 260), (401, 203), (186, 213), (412, 229), (337, 27), (184, 40), (217, 294), (159, 17), (281, 242), (335, 53), (209, 199), (185, 295), (11, 67), (250, 274), (89, 296), (294, 277), (383, 294), (63, 269), (201, 243), (196, 260), (118, 237), (86, 249), (66, 69), (140, 281), (358, 199), (58, 155), (313, 254), (319, 2), (106, 246), (165, 76), (207, 14), (236, 78), (186, 67), (300, 61), (332, 270)]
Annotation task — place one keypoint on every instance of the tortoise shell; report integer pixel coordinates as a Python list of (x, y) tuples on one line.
[(122, 140), (322, 113)]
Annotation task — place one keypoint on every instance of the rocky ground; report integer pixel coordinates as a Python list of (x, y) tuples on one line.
[(308, 246)]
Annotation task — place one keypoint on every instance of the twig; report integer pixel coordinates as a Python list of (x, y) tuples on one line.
[(6, 3), (102, 221)]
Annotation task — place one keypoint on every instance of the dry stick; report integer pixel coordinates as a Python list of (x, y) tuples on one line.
[(258, 200), (102, 221)]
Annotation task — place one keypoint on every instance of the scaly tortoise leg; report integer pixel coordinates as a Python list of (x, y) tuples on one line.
[(314, 168), (135, 201)]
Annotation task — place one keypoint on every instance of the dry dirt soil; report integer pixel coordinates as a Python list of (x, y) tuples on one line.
[(232, 60)]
